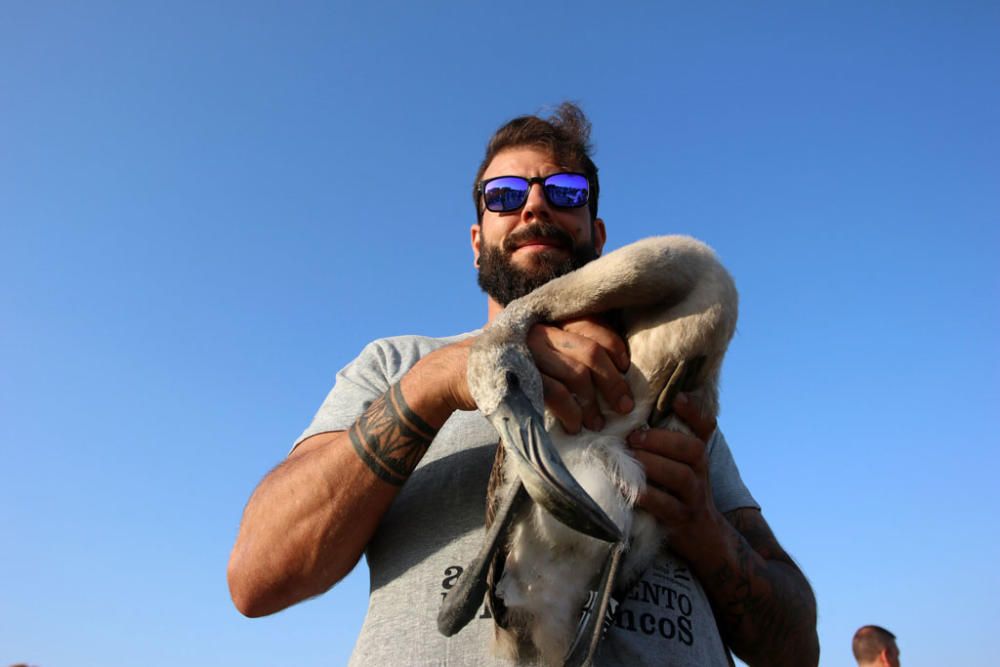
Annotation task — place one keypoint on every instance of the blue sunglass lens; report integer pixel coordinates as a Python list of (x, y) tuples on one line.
[(567, 190), (505, 194)]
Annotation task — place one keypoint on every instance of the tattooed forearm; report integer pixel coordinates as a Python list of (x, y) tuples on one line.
[(764, 605), (390, 437)]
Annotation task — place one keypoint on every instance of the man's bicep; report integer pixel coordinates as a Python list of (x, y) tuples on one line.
[(315, 442)]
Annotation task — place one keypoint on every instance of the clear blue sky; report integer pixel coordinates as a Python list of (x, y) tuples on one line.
[(206, 209)]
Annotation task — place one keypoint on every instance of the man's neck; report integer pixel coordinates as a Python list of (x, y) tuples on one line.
[(492, 309)]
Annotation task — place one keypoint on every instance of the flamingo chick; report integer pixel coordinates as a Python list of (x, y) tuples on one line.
[(562, 531)]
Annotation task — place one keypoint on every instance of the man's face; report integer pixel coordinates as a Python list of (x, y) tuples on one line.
[(520, 250)]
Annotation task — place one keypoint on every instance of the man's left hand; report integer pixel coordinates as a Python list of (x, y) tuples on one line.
[(678, 493)]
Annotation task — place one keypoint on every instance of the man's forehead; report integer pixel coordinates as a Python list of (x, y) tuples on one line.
[(524, 161)]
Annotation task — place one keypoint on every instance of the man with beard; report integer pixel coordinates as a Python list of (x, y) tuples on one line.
[(396, 461)]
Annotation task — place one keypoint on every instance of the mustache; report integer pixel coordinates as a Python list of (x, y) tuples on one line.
[(536, 231)]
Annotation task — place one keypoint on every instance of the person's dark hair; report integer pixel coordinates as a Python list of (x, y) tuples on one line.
[(870, 641), (566, 134)]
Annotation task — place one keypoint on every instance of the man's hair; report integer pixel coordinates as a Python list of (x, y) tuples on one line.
[(566, 134), (870, 641)]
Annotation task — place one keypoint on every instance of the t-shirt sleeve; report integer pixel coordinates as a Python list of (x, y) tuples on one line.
[(358, 384), (379, 366), (728, 489)]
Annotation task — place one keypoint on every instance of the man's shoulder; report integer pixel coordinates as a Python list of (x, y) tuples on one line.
[(420, 341), (394, 354)]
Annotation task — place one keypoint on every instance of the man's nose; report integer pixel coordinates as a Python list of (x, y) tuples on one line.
[(536, 206)]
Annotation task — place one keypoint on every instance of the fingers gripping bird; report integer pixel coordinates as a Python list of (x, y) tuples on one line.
[(562, 531)]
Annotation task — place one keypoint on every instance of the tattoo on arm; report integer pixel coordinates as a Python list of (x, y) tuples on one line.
[(390, 437), (766, 608)]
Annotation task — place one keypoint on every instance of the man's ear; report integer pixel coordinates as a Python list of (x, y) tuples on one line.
[(883, 657), (475, 231), (600, 235)]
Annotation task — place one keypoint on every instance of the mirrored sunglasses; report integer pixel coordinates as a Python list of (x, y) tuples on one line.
[(508, 193)]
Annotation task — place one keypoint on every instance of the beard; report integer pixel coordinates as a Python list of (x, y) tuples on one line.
[(500, 278)]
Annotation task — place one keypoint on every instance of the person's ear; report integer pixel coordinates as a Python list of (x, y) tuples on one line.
[(475, 231), (600, 235)]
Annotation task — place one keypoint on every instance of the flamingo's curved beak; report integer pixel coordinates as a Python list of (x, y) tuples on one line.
[(538, 464)]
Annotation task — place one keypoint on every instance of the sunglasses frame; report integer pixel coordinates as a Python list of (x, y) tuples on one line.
[(531, 181)]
